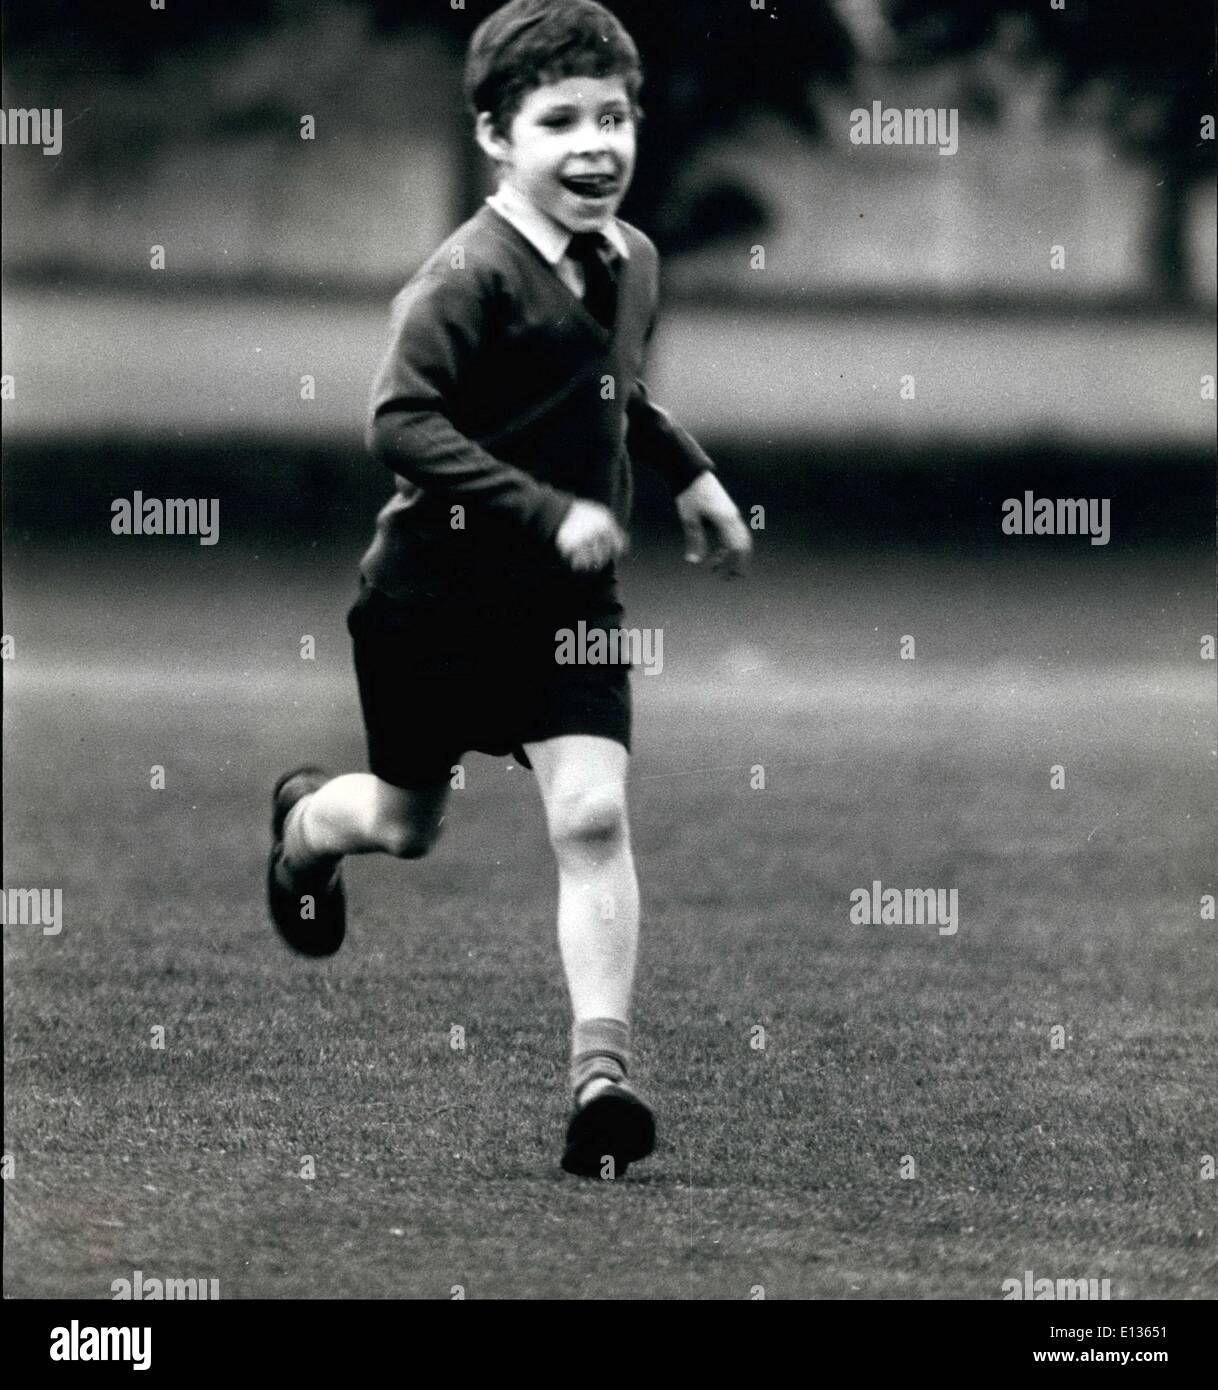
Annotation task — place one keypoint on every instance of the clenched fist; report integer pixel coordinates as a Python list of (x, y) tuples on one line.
[(589, 537)]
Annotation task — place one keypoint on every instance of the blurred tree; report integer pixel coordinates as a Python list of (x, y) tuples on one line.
[(63, 38), (1147, 69)]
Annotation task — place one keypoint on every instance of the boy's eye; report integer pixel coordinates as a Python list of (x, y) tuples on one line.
[(611, 121)]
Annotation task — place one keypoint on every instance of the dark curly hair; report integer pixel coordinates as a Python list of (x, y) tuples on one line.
[(530, 42)]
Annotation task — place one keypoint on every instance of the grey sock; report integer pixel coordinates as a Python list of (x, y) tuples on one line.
[(599, 1047)]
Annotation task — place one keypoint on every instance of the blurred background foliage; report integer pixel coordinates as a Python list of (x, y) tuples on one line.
[(1080, 126)]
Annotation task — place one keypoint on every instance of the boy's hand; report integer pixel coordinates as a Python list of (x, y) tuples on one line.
[(589, 537), (703, 506)]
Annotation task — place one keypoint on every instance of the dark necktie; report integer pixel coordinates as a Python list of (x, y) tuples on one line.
[(600, 283)]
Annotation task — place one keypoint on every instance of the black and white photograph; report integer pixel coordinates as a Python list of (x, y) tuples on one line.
[(609, 663)]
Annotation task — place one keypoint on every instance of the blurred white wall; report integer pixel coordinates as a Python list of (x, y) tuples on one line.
[(88, 365)]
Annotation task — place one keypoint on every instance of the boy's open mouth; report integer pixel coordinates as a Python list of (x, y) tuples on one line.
[(590, 185)]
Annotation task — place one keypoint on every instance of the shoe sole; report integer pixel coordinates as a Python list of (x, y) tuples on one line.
[(325, 934), (317, 938), (616, 1125)]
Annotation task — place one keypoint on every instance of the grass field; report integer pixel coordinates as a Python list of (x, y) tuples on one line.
[(778, 1167)]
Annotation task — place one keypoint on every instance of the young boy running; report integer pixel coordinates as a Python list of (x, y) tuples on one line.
[(509, 406)]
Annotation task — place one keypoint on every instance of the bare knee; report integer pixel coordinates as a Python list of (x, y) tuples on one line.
[(588, 825)]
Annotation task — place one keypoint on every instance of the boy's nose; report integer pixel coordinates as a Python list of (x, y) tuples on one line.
[(592, 137)]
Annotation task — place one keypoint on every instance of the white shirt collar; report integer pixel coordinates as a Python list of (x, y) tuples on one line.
[(550, 239)]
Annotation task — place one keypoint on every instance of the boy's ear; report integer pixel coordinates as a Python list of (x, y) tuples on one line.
[(492, 144)]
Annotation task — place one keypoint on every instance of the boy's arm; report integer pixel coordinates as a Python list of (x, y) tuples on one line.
[(655, 438), (438, 321)]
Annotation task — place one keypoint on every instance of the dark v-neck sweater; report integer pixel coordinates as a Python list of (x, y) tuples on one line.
[(501, 399)]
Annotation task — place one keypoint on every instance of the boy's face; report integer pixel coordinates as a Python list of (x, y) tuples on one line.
[(570, 149)]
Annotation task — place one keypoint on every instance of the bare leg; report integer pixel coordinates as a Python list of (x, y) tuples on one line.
[(359, 814), (583, 785)]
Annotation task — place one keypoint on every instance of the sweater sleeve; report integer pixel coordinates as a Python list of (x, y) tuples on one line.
[(438, 322), (654, 438)]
